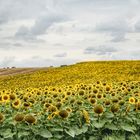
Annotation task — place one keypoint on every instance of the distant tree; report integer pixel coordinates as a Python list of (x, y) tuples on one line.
[(63, 65)]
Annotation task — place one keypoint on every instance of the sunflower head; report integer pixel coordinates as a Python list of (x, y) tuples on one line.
[(98, 109), (132, 100), (5, 98), (81, 92), (1, 117), (52, 108), (107, 102), (138, 105), (69, 109), (99, 96), (30, 119), (16, 104), (79, 102), (12, 96), (63, 114), (58, 105), (114, 108), (19, 117), (108, 88), (68, 93), (92, 100), (95, 91), (121, 102), (86, 116), (26, 105), (113, 94), (115, 100), (46, 105)]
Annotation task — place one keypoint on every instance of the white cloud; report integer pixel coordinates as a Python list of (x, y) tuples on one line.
[(60, 31), (100, 50)]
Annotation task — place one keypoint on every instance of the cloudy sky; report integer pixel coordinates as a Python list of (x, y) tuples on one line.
[(54, 32)]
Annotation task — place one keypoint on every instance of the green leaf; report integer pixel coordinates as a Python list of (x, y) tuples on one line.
[(58, 136), (111, 126), (128, 127), (109, 115), (113, 137), (84, 128), (23, 133), (92, 138), (71, 132), (57, 129), (7, 133), (45, 133), (99, 124)]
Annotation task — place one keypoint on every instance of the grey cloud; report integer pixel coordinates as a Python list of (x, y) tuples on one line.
[(3, 19), (40, 27), (118, 36), (17, 44), (116, 28), (137, 26), (21, 9), (43, 23), (58, 44), (24, 33), (9, 45), (100, 50), (61, 55), (5, 45), (129, 55)]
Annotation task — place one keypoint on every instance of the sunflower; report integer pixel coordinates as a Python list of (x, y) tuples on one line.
[(138, 105), (19, 117), (127, 109), (86, 116), (1, 117), (68, 93), (121, 102), (81, 92), (51, 116), (52, 108), (99, 96), (16, 104), (0, 99), (5, 98), (95, 91), (69, 109), (26, 105), (55, 95), (108, 88), (114, 108), (132, 100), (12, 96), (72, 101), (107, 102), (63, 113), (79, 102), (113, 94), (30, 119), (115, 100), (92, 100), (58, 105), (46, 105), (98, 109)]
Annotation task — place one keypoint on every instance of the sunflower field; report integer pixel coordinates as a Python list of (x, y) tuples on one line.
[(85, 101)]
